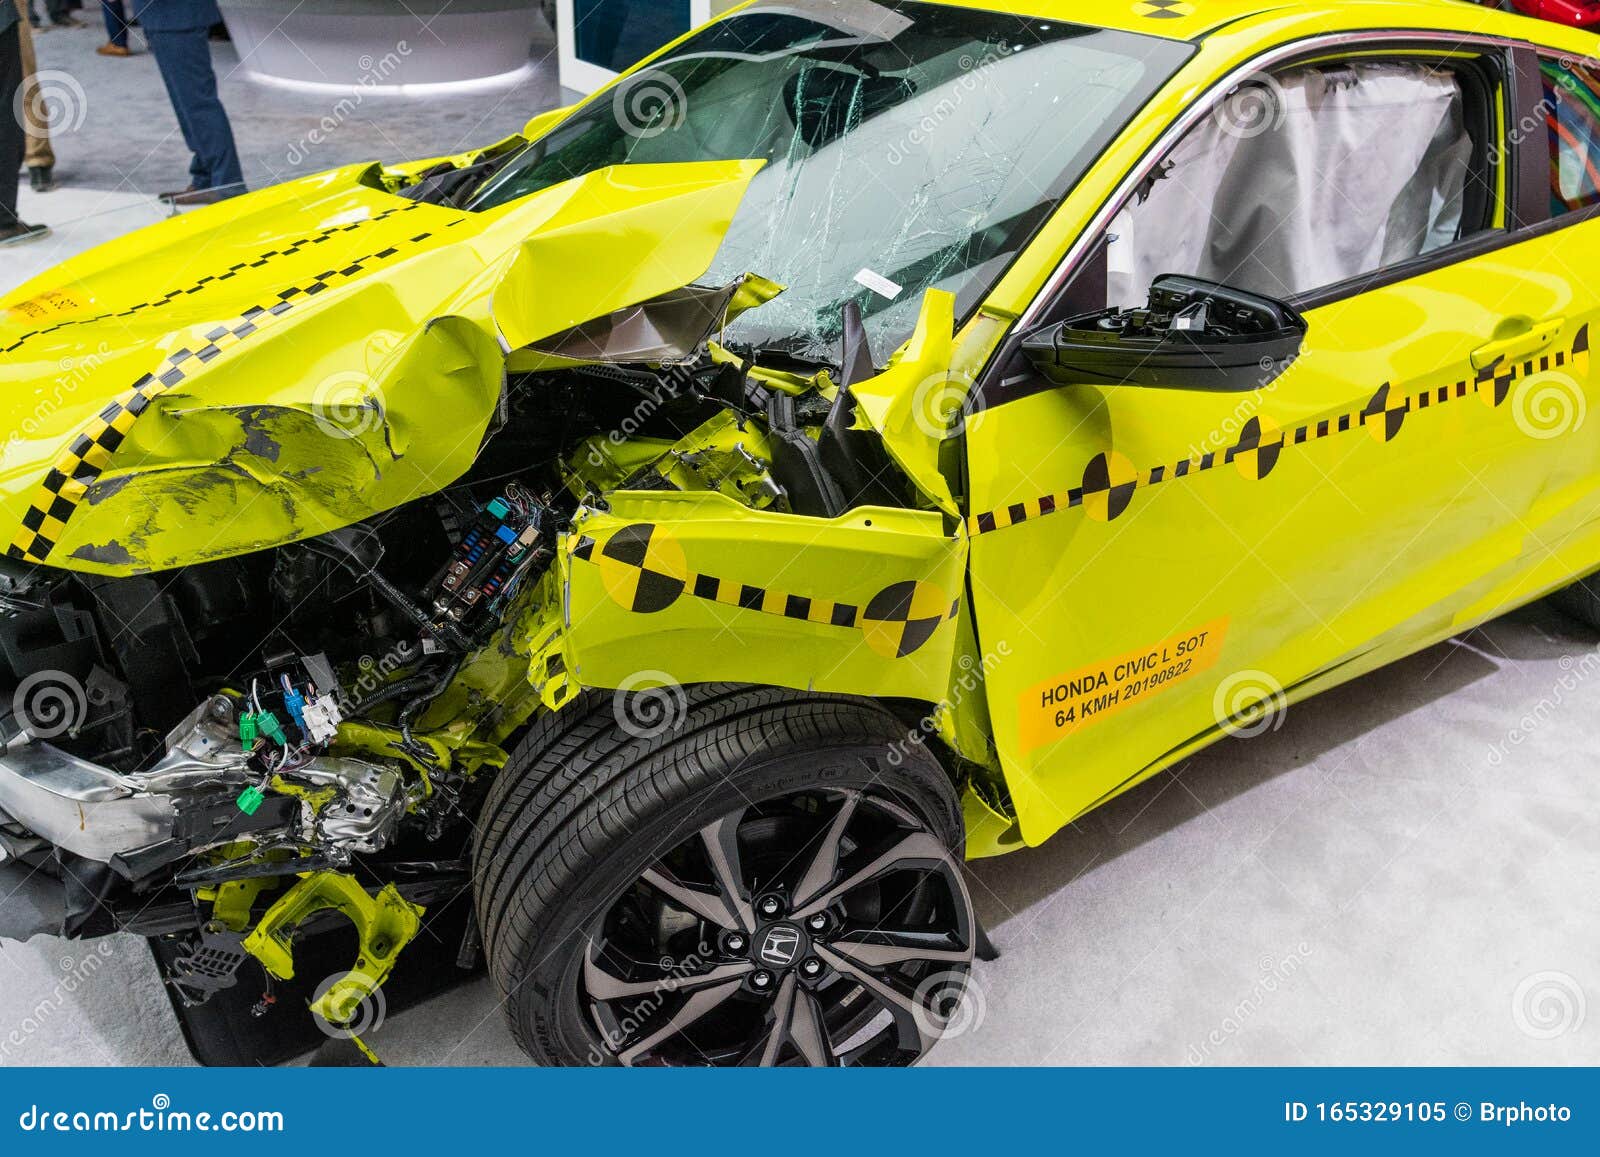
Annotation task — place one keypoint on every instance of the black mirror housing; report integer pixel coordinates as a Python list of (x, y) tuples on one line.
[(1193, 335)]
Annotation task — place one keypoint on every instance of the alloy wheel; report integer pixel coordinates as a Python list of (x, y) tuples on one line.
[(826, 927)]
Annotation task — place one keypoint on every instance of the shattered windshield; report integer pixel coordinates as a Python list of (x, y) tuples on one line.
[(909, 145)]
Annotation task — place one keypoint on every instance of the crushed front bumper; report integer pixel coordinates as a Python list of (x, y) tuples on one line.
[(79, 806)]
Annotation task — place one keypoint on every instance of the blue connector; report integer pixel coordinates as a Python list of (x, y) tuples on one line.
[(296, 704)]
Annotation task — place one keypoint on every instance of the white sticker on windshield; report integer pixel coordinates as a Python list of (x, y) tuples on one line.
[(879, 284)]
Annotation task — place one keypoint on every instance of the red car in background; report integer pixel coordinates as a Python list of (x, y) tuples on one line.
[(1583, 13)]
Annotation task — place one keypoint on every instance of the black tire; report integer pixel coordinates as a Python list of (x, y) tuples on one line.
[(1581, 600), (584, 812)]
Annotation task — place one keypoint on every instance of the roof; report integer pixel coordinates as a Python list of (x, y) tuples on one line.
[(1191, 19)]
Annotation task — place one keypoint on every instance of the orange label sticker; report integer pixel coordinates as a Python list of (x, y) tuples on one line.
[(49, 306), (1056, 708)]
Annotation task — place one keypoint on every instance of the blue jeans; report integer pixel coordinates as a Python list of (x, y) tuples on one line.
[(184, 58), (116, 16)]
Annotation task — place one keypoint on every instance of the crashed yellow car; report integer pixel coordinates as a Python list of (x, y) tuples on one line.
[(647, 553)]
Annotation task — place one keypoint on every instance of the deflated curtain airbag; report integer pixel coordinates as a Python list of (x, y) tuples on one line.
[(1301, 181)]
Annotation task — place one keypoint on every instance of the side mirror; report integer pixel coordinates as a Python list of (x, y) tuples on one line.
[(1194, 335)]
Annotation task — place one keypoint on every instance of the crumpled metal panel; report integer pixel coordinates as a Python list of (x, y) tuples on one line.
[(672, 327), (262, 371)]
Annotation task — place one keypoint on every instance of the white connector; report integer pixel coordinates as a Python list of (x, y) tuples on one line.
[(322, 717)]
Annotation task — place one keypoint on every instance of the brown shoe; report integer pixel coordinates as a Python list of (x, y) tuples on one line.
[(20, 233), (193, 196), (114, 50)]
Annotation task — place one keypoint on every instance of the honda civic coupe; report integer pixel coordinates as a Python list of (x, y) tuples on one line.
[(645, 555)]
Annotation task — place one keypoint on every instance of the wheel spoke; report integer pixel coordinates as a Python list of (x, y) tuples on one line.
[(604, 985), (917, 846), (722, 850), (825, 863), (778, 1031), (797, 1020), (913, 1020), (809, 1033), (882, 948), (697, 1006), (707, 905)]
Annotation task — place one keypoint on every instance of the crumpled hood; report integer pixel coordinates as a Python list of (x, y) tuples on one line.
[(286, 363)]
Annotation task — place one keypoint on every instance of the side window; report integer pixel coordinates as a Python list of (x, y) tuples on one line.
[(1313, 176), (1572, 108)]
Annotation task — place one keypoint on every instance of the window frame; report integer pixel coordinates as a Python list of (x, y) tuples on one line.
[(1565, 60), (1525, 182), (1489, 72)]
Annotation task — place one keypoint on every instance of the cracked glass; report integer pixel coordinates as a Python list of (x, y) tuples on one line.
[(909, 146)]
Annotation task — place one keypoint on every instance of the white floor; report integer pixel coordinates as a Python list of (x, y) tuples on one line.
[(79, 219), (1407, 871)]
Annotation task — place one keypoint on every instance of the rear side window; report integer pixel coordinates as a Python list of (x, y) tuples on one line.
[(1572, 108)]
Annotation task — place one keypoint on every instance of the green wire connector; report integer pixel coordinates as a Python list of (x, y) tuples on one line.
[(271, 728), (250, 799), (247, 731)]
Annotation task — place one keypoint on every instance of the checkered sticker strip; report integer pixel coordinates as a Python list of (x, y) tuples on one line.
[(1110, 481), (643, 570), (89, 454), (261, 260), (1163, 9)]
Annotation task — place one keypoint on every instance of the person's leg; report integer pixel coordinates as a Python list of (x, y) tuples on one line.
[(12, 144), (116, 18), (195, 85), (168, 49), (41, 158)]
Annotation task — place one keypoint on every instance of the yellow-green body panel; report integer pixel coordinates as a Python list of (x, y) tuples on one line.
[(1388, 525), (1357, 548), (768, 598), (293, 361)]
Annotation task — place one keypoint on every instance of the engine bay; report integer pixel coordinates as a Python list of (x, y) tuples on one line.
[(215, 753)]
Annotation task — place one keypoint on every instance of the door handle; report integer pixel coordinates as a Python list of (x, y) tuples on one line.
[(1519, 346)]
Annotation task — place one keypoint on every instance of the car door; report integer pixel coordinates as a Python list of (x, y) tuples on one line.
[(1162, 563)]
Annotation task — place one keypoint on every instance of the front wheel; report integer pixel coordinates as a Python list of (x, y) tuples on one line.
[(748, 879), (1581, 600)]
